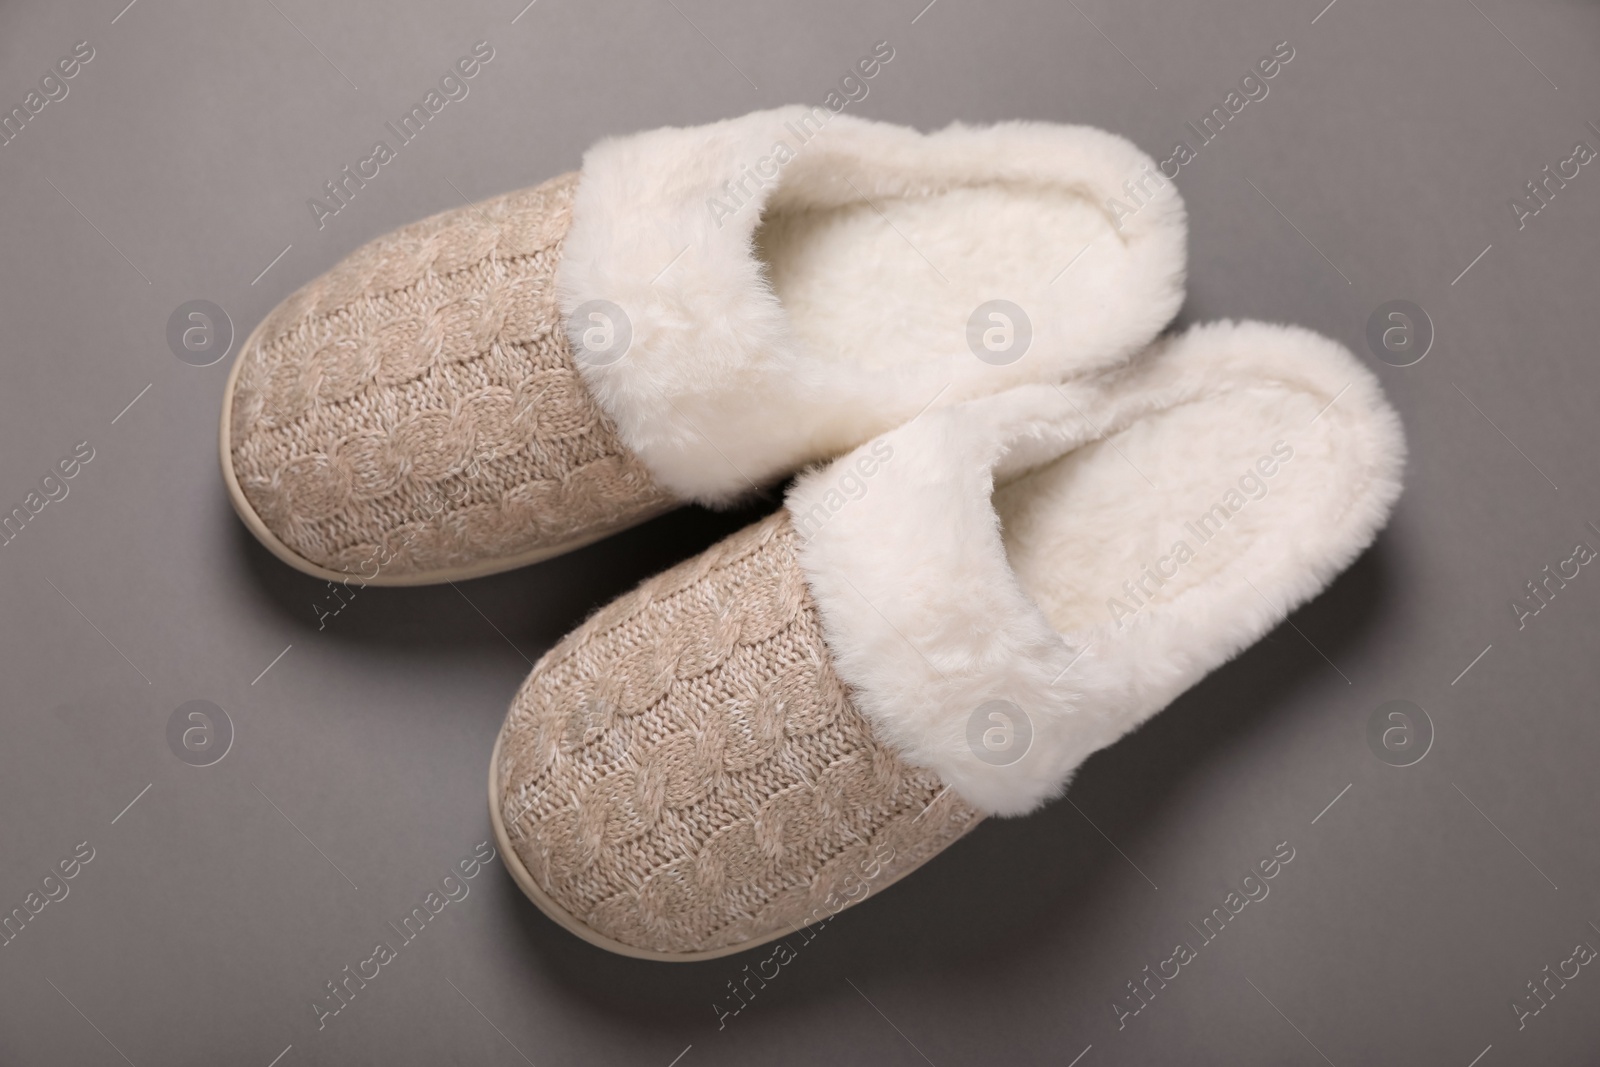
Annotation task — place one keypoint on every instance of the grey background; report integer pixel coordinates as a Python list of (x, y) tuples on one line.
[(1417, 906)]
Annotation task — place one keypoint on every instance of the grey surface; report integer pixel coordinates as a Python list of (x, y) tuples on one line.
[(215, 908)]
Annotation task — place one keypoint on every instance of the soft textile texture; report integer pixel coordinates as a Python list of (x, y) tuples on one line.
[(1072, 601), (416, 411), (780, 320), (685, 772)]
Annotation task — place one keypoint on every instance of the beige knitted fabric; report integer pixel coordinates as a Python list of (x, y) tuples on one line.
[(416, 411), (685, 772)]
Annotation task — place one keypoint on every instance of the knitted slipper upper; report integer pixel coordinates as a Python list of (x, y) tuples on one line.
[(417, 409)]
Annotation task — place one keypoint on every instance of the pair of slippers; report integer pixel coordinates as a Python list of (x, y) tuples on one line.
[(1025, 522)]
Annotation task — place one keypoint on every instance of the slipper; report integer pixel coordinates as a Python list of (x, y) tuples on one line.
[(695, 314), (821, 703)]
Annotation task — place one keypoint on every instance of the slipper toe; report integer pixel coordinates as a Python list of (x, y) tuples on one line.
[(416, 415), (685, 776)]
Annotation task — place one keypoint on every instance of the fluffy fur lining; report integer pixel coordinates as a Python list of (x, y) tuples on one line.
[(934, 607), (718, 392)]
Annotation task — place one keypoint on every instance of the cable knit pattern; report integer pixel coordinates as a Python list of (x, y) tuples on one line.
[(417, 408), (685, 772)]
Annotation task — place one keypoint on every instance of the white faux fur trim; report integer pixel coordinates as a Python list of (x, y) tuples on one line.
[(716, 395), (927, 620)]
